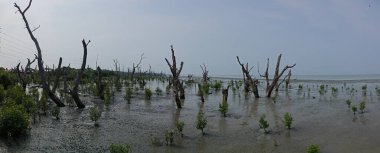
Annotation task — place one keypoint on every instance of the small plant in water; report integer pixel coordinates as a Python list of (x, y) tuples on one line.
[(179, 126), (158, 91), (288, 119), (95, 114), (362, 106), (120, 148), (169, 137), (348, 102), (263, 123), (354, 109), (128, 94), (148, 93), (313, 149), (55, 112), (223, 108), (201, 122)]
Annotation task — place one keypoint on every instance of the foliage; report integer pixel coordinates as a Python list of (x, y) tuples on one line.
[(16, 93), (13, 119), (95, 114), (354, 109), (201, 122), (217, 85), (263, 123), (322, 89), (155, 141), (313, 149), (2, 94), (148, 93), (223, 108), (158, 91), (348, 102), (205, 88), (128, 94), (120, 148), (362, 106), (7, 79), (169, 137), (55, 112), (179, 126), (42, 103), (288, 119)]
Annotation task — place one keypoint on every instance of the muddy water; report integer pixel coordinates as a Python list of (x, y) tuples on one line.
[(318, 119)]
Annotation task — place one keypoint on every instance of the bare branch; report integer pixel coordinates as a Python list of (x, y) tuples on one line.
[(36, 28)]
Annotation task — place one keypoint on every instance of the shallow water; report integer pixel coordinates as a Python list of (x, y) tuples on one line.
[(318, 119)]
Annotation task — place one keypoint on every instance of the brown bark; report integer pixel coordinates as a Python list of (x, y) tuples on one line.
[(99, 84), (205, 77), (175, 72), (252, 81), (57, 74), (225, 93), (74, 91), (277, 75), (42, 73), (287, 81)]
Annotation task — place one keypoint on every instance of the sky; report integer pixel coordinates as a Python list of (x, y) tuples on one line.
[(329, 37)]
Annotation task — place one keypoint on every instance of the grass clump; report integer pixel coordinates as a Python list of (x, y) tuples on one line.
[(120, 148), (288, 119), (169, 137), (179, 126), (95, 114), (313, 149)]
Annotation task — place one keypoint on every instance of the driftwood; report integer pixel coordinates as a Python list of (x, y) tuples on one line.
[(277, 75), (251, 80), (41, 70), (175, 79)]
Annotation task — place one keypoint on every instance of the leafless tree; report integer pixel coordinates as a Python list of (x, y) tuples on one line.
[(22, 73), (175, 79), (252, 81), (205, 77)]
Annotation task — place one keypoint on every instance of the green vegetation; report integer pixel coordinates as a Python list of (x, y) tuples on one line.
[(348, 102), (223, 108), (95, 114), (120, 148), (13, 119), (362, 106), (354, 109), (179, 126), (201, 122), (313, 149), (158, 91), (148, 93), (263, 124), (288, 119), (169, 137), (55, 112), (128, 94)]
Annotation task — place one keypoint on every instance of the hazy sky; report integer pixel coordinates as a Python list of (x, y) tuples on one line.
[(321, 36)]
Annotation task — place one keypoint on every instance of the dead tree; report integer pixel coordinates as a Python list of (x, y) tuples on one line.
[(181, 91), (287, 81), (22, 74), (277, 75), (99, 84), (175, 79), (134, 67), (41, 70), (205, 77), (57, 73), (251, 80), (225, 93), (74, 92)]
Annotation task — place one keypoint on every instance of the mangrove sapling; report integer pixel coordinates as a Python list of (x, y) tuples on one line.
[(148, 93), (288, 119), (13, 118), (179, 126), (95, 114), (128, 94), (169, 137), (362, 106), (223, 108), (55, 112), (201, 122), (120, 148), (348, 102), (156, 141), (313, 149), (354, 109), (263, 124), (158, 91)]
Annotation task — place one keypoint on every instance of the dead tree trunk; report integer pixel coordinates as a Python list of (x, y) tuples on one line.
[(246, 81), (134, 69), (57, 74), (225, 93), (99, 84), (175, 72), (253, 82), (22, 74), (74, 91), (287, 81), (44, 84), (276, 77), (181, 91), (205, 77)]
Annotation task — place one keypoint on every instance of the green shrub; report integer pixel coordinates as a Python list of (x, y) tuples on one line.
[(263, 124), (169, 137), (158, 91), (313, 149), (179, 126), (95, 114), (7, 79), (362, 106), (42, 103), (13, 119), (55, 112), (16, 93), (2, 94), (128, 94), (223, 108), (148, 93), (120, 148), (201, 122), (354, 109), (348, 102), (288, 119)]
